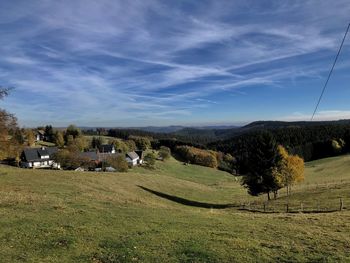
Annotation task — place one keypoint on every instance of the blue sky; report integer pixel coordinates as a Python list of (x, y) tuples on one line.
[(139, 63)]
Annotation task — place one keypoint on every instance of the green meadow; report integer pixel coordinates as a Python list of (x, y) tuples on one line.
[(172, 213)]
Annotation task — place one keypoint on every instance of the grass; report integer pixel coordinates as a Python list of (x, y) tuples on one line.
[(62, 216), (108, 139), (45, 144)]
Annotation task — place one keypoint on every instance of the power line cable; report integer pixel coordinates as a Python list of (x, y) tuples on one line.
[(330, 73)]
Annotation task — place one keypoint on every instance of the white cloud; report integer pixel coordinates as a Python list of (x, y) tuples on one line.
[(326, 115), (107, 58)]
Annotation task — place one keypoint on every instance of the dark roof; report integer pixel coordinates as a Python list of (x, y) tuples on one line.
[(30, 155), (104, 156), (43, 152), (139, 153), (52, 150), (106, 148), (41, 132), (91, 155), (132, 155), (34, 154)]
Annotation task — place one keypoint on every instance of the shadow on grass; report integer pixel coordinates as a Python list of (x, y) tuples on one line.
[(187, 202)]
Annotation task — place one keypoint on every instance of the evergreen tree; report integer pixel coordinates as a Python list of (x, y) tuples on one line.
[(263, 158), (49, 134), (97, 142)]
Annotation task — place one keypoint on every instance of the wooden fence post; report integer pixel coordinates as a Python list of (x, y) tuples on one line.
[(264, 207), (287, 206), (341, 204)]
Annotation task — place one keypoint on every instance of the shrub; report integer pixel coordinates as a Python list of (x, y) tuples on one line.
[(164, 152), (198, 156), (150, 159), (118, 162), (71, 160), (142, 143)]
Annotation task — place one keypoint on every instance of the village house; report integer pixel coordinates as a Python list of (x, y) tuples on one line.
[(106, 148), (97, 158), (39, 135), (140, 154), (39, 158), (92, 156), (132, 158)]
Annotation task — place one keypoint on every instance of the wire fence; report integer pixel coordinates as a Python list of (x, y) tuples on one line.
[(334, 205)]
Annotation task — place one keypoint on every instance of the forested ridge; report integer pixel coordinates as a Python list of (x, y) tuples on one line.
[(310, 140)]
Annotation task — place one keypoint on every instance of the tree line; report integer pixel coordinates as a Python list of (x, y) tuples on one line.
[(309, 142)]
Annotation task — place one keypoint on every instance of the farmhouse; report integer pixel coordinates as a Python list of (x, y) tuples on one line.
[(39, 158), (106, 148), (132, 158), (92, 156), (40, 135), (98, 157), (140, 154)]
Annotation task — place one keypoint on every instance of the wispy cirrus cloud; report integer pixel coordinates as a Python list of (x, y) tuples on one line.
[(325, 115), (154, 62)]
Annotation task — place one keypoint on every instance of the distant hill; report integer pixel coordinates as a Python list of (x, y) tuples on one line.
[(210, 134), (270, 125), (179, 128), (283, 124), (159, 129), (166, 129)]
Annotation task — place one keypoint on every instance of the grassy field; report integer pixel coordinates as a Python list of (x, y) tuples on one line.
[(158, 216), (45, 144), (107, 139)]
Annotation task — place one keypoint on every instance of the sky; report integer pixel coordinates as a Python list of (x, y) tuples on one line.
[(144, 62)]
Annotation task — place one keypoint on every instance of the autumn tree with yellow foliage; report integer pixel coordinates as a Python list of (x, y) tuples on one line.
[(289, 171), (9, 145)]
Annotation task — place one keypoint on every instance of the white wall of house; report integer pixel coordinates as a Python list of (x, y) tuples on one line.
[(55, 165), (37, 164), (43, 164), (132, 162)]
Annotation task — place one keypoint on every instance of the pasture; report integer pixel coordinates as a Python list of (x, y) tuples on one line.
[(173, 213)]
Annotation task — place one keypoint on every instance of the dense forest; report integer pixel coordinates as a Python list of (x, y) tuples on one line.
[(310, 140)]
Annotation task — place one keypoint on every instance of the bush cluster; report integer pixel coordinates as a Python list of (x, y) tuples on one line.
[(198, 156)]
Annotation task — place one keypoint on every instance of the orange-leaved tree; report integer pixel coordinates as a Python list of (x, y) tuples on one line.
[(290, 170)]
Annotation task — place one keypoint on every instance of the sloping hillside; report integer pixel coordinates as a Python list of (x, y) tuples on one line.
[(158, 216)]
